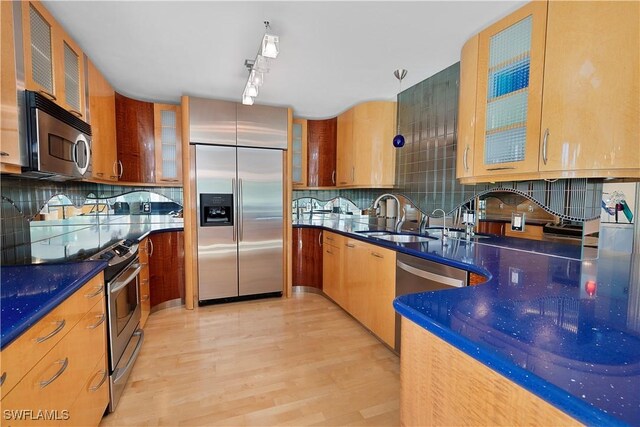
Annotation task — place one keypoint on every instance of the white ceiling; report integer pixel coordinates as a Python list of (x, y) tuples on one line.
[(332, 54)]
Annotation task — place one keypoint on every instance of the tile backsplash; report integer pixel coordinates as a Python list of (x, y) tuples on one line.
[(23, 198)]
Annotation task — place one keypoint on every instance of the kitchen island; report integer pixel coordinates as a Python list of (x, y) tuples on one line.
[(565, 330)]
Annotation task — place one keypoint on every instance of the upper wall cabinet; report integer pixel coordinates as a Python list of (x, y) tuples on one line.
[(591, 102), (365, 154), (102, 106), (321, 152), (135, 140), (557, 94), (508, 107), (10, 150), (168, 142), (467, 110), (299, 153), (53, 62)]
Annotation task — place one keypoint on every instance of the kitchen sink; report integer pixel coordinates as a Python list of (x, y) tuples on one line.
[(375, 233), (397, 237), (405, 238)]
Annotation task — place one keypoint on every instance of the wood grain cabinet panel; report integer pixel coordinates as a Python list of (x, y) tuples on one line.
[(509, 93), (102, 106), (365, 153), (491, 227), (307, 257), (321, 152), (575, 104), (10, 149), (332, 266), (591, 103), (467, 107), (135, 140), (53, 61), (145, 290), (166, 267)]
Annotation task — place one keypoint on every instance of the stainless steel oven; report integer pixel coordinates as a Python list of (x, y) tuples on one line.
[(125, 338)]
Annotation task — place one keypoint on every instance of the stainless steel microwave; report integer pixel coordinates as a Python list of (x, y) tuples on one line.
[(58, 142)]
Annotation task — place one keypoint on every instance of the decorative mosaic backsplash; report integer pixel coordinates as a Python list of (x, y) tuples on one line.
[(22, 200)]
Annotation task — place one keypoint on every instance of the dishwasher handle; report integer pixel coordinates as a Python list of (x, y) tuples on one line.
[(448, 281)]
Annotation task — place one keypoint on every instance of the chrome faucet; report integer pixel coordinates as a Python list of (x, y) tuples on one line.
[(399, 219), (468, 219), (445, 232)]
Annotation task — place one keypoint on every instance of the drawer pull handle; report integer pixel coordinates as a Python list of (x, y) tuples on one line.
[(144, 298), (102, 380), (350, 245), (76, 113), (48, 95), (96, 293), (58, 328), (4, 154), (328, 238), (101, 318), (64, 364), (329, 252), (2, 378), (377, 255)]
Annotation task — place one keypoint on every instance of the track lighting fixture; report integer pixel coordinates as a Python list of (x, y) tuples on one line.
[(269, 49)]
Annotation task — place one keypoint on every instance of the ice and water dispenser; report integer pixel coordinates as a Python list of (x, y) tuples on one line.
[(216, 209)]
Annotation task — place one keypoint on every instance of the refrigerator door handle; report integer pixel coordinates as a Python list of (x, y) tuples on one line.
[(234, 233), (240, 211)]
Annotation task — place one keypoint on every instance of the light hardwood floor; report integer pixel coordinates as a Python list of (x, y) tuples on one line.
[(297, 361)]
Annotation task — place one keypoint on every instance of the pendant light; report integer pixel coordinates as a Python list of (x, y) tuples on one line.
[(398, 140)]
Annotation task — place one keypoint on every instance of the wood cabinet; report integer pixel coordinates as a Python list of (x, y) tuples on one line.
[(509, 93), (145, 293), (307, 257), (467, 109), (554, 98), (321, 152), (135, 140), (166, 267), (168, 142), (440, 385), (55, 373), (369, 273), (360, 278), (10, 149), (365, 154), (53, 61), (102, 108), (491, 227), (533, 232), (299, 153), (332, 263), (591, 102)]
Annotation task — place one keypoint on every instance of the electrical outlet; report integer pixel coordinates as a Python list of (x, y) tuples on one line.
[(146, 207)]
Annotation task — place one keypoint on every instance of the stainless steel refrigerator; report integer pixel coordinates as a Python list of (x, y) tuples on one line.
[(240, 221)]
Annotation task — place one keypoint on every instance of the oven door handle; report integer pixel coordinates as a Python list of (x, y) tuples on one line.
[(127, 280), (121, 372)]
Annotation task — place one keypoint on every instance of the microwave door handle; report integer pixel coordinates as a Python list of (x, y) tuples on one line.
[(126, 281), (87, 148)]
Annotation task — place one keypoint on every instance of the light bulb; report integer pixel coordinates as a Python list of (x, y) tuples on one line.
[(251, 90), (247, 100)]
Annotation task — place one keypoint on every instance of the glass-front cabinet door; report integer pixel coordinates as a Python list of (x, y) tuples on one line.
[(299, 153), (509, 101)]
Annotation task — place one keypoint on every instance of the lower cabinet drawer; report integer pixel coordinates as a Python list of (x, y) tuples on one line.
[(20, 356), (93, 398), (145, 297), (45, 395)]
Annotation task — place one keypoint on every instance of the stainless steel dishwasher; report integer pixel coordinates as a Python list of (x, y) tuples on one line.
[(415, 274)]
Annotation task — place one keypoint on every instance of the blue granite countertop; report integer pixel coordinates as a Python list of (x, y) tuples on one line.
[(57, 268), (565, 329), (29, 292)]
